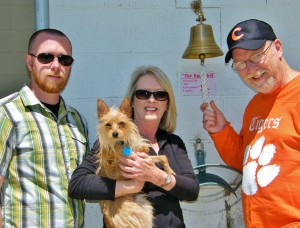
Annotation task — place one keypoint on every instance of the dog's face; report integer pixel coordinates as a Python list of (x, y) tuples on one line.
[(115, 127), (115, 124)]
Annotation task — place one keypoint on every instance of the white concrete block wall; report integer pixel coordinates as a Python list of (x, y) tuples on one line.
[(112, 37)]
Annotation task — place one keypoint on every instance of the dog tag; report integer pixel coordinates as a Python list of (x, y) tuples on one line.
[(127, 151)]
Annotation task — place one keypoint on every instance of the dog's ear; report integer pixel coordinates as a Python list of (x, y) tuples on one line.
[(102, 108), (125, 107)]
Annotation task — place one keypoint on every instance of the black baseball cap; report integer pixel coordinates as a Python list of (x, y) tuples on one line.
[(250, 35)]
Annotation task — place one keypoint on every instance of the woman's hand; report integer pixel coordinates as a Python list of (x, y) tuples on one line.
[(128, 186), (141, 167)]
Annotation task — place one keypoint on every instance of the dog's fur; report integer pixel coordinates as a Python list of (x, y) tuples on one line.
[(117, 130)]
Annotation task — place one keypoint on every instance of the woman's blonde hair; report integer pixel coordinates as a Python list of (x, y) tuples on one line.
[(168, 121)]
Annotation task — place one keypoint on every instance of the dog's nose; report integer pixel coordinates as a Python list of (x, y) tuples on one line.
[(115, 134)]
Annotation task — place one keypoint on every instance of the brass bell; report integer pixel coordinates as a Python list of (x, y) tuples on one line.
[(202, 42)]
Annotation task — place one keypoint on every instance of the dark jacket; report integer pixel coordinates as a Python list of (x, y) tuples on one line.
[(85, 184)]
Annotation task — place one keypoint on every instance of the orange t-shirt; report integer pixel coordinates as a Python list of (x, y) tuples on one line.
[(268, 151)]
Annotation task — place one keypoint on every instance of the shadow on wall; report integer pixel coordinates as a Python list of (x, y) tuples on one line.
[(12, 84)]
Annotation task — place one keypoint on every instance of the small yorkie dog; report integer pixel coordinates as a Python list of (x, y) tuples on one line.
[(118, 133)]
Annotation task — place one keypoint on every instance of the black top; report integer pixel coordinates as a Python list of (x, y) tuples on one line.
[(53, 108), (85, 184)]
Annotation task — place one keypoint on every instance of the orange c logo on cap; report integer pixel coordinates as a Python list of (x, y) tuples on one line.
[(234, 37)]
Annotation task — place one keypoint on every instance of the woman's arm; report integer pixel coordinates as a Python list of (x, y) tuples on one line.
[(187, 186), (184, 185), (85, 184), (141, 167)]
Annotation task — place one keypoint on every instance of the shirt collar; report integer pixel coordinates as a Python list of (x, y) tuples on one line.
[(29, 99)]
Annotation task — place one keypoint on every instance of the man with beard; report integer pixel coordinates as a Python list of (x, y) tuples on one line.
[(267, 148), (42, 140)]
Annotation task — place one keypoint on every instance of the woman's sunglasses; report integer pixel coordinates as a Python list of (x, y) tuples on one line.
[(45, 58), (145, 94)]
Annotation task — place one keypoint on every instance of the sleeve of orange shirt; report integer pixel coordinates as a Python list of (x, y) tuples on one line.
[(230, 146)]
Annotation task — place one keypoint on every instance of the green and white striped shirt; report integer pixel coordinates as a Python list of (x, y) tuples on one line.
[(38, 153)]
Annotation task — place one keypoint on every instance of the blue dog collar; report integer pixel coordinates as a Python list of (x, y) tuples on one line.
[(127, 151)]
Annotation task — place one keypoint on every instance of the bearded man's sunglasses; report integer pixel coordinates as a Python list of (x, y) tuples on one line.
[(45, 58)]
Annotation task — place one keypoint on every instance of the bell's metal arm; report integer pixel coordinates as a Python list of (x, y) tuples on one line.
[(205, 178)]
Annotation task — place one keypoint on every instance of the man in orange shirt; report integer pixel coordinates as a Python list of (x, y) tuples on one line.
[(267, 149)]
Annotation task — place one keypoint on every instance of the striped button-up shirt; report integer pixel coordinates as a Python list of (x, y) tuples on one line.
[(38, 153)]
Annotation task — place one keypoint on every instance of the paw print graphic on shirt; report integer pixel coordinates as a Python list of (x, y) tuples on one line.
[(257, 169)]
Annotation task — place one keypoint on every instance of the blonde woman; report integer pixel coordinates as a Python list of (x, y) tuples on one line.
[(154, 112)]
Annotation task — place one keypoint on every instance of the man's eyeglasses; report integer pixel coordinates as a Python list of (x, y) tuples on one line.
[(255, 59), (145, 94), (45, 58)]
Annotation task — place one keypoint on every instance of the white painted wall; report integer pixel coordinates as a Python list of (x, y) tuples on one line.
[(112, 37)]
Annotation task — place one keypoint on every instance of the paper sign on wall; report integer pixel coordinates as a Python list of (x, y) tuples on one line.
[(191, 84)]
